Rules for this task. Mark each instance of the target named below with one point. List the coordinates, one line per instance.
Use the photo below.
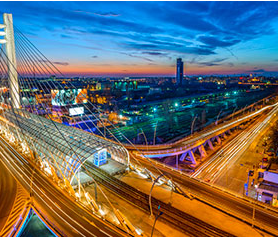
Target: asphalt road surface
(64, 214)
(8, 188)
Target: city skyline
(146, 38)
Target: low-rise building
(267, 189)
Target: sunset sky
(145, 38)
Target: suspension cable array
(58, 149)
(32, 61)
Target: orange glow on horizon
(115, 69)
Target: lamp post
(154, 133)
(145, 138)
(192, 124)
(244, 107)
(253, 215)
(234, 112)
(218, 117)
(150, 196)
(159, 213)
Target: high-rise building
(179, 76)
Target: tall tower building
(179, 76)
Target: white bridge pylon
(8, 40)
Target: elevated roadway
(266, 217)
(8, 187)
(197, 140)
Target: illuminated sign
(68, 96)
(76, 111)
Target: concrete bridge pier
(191, 156)
(210, 145)
(202, 151)
(218, 140)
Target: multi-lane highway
(216, 169)
(240, 207)
(187, 223)
(213, 168)
(8, 188)
(61, 211)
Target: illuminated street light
(176, 104)
(154, 109)
(159, 213)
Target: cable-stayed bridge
(47, 156)
(58, 150)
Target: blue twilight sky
(145, 38)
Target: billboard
(68, 97)
(76, 111)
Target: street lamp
(192, 124)
(218, 117)
(154, 133)
(159, 213)
(150, 196)
(142, 132)
(176, 104)
(234, 112)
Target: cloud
(187, 20)
(95, 56)
(207, 64)
(66, 36)
(264, 72)
(105, 14)
(215, 42)
(152, 31)
(259, 70)
(136, 56)
(153, 53)
(57, 63)
(61, 63)
(214, 62)
(199, 50)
